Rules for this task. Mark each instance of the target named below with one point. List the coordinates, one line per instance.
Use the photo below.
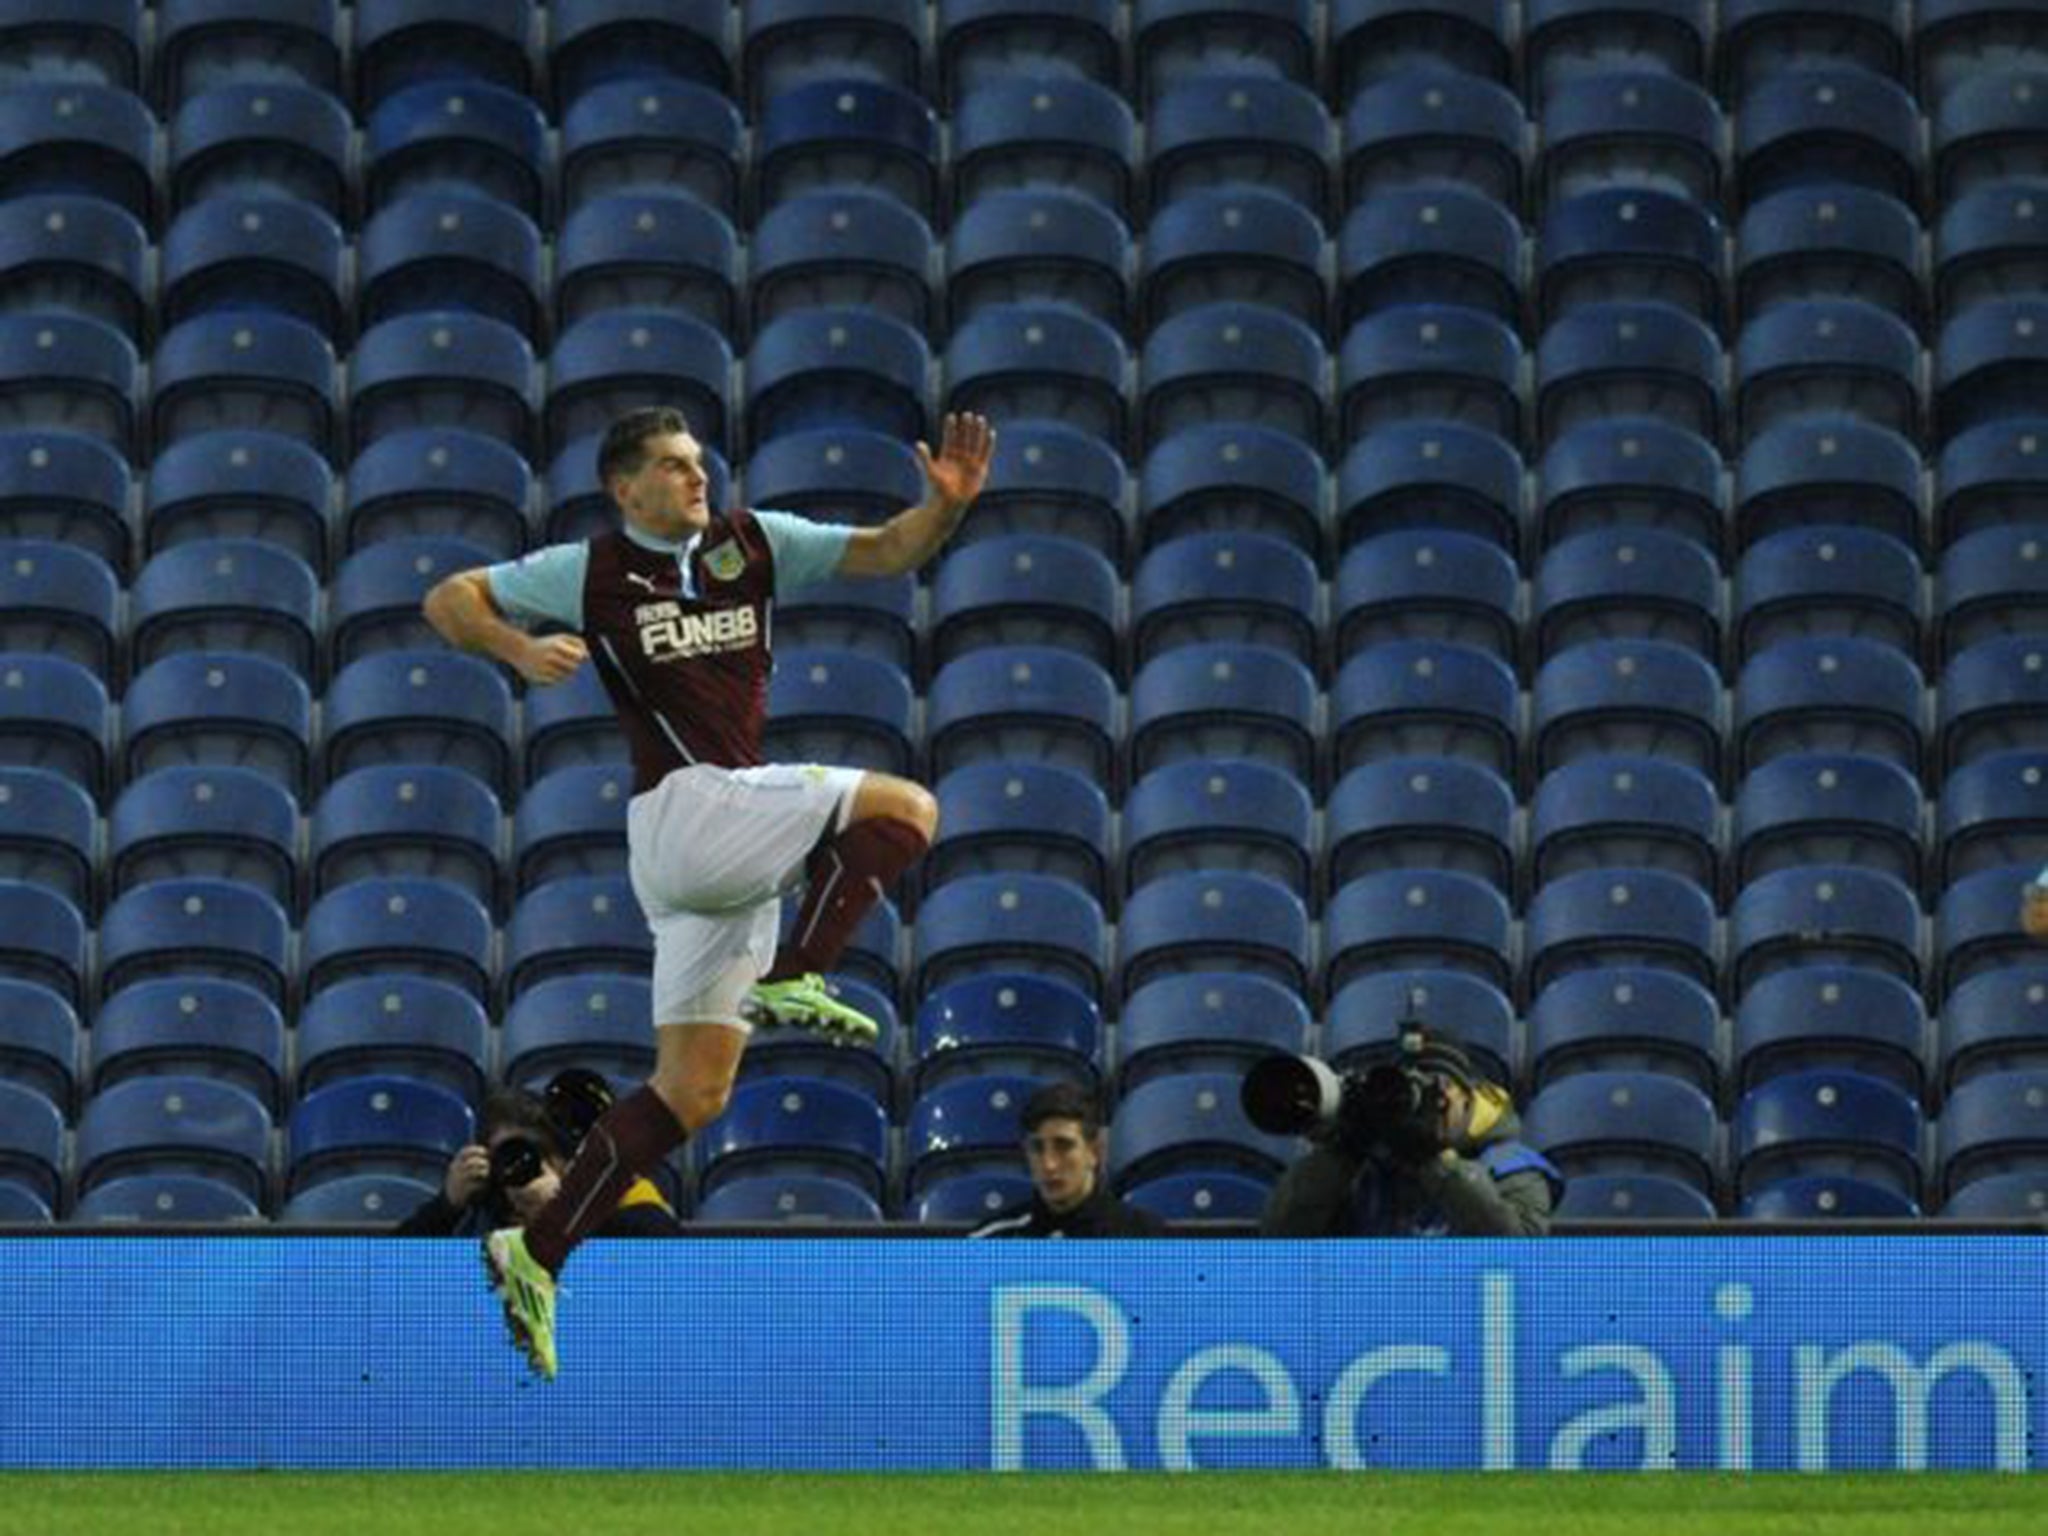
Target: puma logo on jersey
(645, 581)
(700, 634)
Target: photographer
(527, 1141)
(1065, 1148)
(1419, 1147)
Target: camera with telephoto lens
(1397, 1105)
(572, 1102)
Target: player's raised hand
(551, 658)
(957, 475)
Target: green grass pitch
(1028, 1504)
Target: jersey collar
(680, 549)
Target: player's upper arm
(546, 585)
(808, 552)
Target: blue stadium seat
(455, 135)
(431, 706)
(571, 822)
(1976, 926)
(1405, 129)
(1990, 814)
(966, 1128)
(1177, 41)
(1630, 472)
(1826, 1197)
(1415, 919)
(1018, 702)
(1568, 39)
(1022, 131)
(1177, 1197)
(399, 42)
(373, 605)
(244, 371)
(56, 600)
(437, 249)
(1635, 696)
(96, 41)
(1622, 809)
(1363, 1025)
(600, 1021)
(1991, 699)
(651, 136)
(66, 488)
(596, 42)
(1621, 127)
(785, 1125)
(64, 373)
(227, 823)
(1987, 246)
(575, 926)
(841, 246)
(1765, 39)
(204, 43)
(1420, 813)
(604, 366)
(836, 367)
(1053, 480)
(195, 926)
(1993, 1127)
(1627, 359)
(1828, 580)
(1373, 41)
(1222, 700)
(2021, 1196)
(212, 261)
(1042, 362)
(1426, 585)
(1432, 244)
(789, 1199)
(53, 715)
(650, 251)
(217, 708)
(1991, 583)
(240, 595)
(1190, 1122)
(1626, 1123)
(968, 1197)
(1829, 693)
(1030, 923)
(438, 482)
(1206, 1021)
(860, 615)
(261, 139)
(1994, 1022)
(1954, 41)
(22, 1207)
(570, 725)
(996, 1022)
(1233, 244)
(388, 1125)
(77, 137)
(1828, 1122)
(442, 370)
(1634, 1018)
(1990, 361)
(1217, 814)
(1412, 698)
(1602, 918)
(239, 484)
(1831, 240)
(1236, 364)
(1233, 478)
(841, 474)
(166, 1199)
(1627, 583)
(847, 132)
(1237, 128)
(982, 41)
(357, 1199)
(62, 253)
(827, 707)
(1039, 245)
(1024, 589)
(1628, 243)
(1200, 919)
(788, 44)
(778, 1051)
(1430, 361)
(197, 1026)
(47, 826)
(406, 1026)
(1822, 914)
(1632, 1198)
(1827, 355)
(406, 819)
(397, 926)
(1828, 808)
(31, 1148)
(1832, 1016)
(1827, 125)
(175, 1125)
(40, 1038)
(1021, 818)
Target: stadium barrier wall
(870, 1354)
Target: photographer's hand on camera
(468, 1176)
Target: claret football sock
(635, 1134)
(847, 876)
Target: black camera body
(572, 1102)
(1398, 1107)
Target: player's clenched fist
(551, 658)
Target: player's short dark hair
(1063, 1101)
(515, 1109)
(624, 449)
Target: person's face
(1457, 1111)
(528, 1198)
(667, 495)
(1063, 1163)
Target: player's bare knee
(695, 1102)
(920, 809)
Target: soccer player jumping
(673, 607)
